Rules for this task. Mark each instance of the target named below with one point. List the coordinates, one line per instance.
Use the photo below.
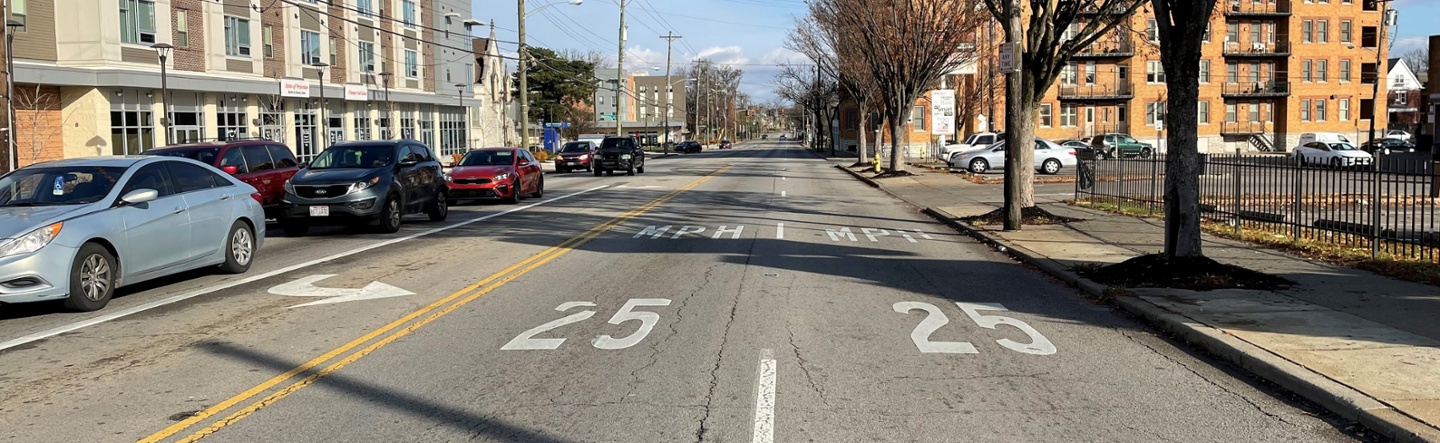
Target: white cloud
(1407, 44)
(724, 55)
(782, 56)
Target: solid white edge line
(199, 292)
(780, 231)
(782, 193)
(765, 401)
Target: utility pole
(1379, 65)
(524, 83)
(619, 74)
(669, 85)
(1013, 111)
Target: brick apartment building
(1271, 70)
(647, 107)
(240, 70)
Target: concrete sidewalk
(1362, 345)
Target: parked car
(1399, 134)
(725, 144)
(576, 155)
(67, 226)
(365, 182)
(504, 173)
(1332, 154)
(1387, 146)
(689, 147)
(1075, 143)
(1324, 137)
(1050, 158)
(1120, 145)
(974, 141)
(620, 153)
(764, 136)
(263, 164)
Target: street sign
(1007, 57)
(561, 125)
(942, 112)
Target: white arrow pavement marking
(305, 287)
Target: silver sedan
(1050, 158)
(78, 229)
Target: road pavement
(753, 294)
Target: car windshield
(576, 147)
(76, 185)
(357, 156)
(1341, 147)
(613, 143)
(203, 155)
(488, 158)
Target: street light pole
(524, 77)
(389, 117)
(324, 107)
(163, 51)
(464, 113)
(669, 86)
(10, 27)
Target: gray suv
(365, 182)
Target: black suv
(618, 153)
(365, 182)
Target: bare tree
(848, 69)
(1181, 25)
(33, 108)
(904, 46)
(1418, 60)
(1048, 43)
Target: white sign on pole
(1007, 57)
(942, 112)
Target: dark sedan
(1387, 146)
(689, 148)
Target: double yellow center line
(395, 330)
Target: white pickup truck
(977, 140)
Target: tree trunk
(1181, 23)
(864, 124)
(1019, 150)
(895, 164)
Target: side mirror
(232, 170)
(524, 162)
(139, 196)
(304, 165)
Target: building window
(1254, 111)
(407, 12)
(182, 28)
(1367, 109)
(234, 120)
(1229, 113)
(1345, 71)
(412, 64)
(17, 13)
(1152, 31)
(1370, 5)
(1402, 98)
(1232, 72)
(1307, 31)
(1322, 31)
(1270, 33)
(1154, 72)
(1304, 109)
(132, 129)
(362, 124)
(137, 21)
(1344, 104)
(1255, 32)
(309, 48)
(453, 131)
(1068, 75)
(1204, 71)
(1368, 38)
(267, 38)
(1368, 74)
(407, 124)
(1232, 32)
(367, 57)
(1305, 68)
(1254, 73)
(917, 118)
(427, 125)
(237, 37)
(385, 133)
(1344, 31)
(333, 53)
(1154, 113)
(365, 7)
(1206, 38)
(1067, 115)
(1046, 119)
(1320, 110)
(1203, 113)
(1321, 69)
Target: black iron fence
(1388, 206)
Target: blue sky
(747, 34)
(1417, 23)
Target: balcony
(1242, 128)
(1111, 91)
(1107, 48)
(1261, 89)
(1281, 48)
(1250, 8)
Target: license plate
(319, 211)
(574, 162)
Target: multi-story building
(491, 124)
(1270, 70)
(389, 69)
(1405, 92)
(647, 107)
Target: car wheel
(979, 166)
(561, 170)
(1335, 163)
(1145, 153)
(539, 188)
(630, 170)
(440, 209)
(641, 169)
(294, 228)
(239, 249)
(597, 172)
(390, 215)
(610, 172)
(515, 193)
(1051, 166)
(92, 279)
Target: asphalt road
(749, 295)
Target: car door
(208, 201)
(432, 176)
(233, 156)
(1042, 152)
(157, 233)
(285, 167)
(409, 177)
(533, 172)
(262, 173)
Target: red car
(503, 173)
(576, 155)
(264, 164)
(724, 144)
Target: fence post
(1154, 176)
(1375, 211)
(1237, 191)
(1299, 169)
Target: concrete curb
(1336, 397)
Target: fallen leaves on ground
(1028, 216)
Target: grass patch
(1411, 269)
(1130, 208)
(1000, 180)
(1028, 216)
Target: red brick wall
(427, 52)
(190, 57)
(38, 124)
(385, 61)
(336, 73)
(274, 18)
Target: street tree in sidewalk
(803, 86)
(904, 46)
(555, 82)
(1181, 25)
(1044, 51)
(847, 68)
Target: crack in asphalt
(674, 330)
(720, 354)
(1227, 390)
(805, 366)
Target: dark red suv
(264, 164)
